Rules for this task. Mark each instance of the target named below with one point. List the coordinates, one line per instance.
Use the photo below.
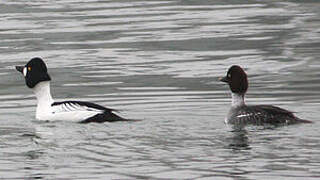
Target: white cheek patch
(24, 71)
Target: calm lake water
(159, 61)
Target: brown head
(237, 79)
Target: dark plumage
(36, 71)
(264, 114)
(241, 114)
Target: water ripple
(159, 61)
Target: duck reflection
(239, 140)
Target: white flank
(64, 112)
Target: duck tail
(304, 121)
(106, 117)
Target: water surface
(159, 61)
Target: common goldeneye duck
(37, 78)
(241, 114)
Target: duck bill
(20, 68)
(224, 79)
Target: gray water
(159, 61)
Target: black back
(266, 114)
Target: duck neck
(42, 92)
(237, 100)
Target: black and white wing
(81, 106)
(85, 112)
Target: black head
(237, 79)
(34, 71)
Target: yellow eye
(29, 68)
